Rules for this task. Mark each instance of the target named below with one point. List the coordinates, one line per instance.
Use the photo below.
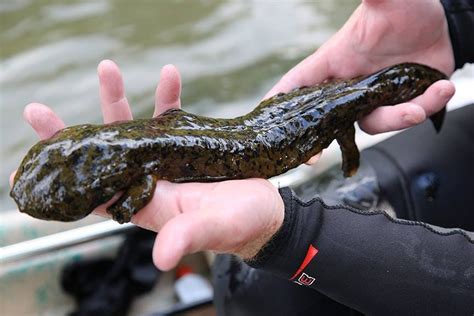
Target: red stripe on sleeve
(312, 251)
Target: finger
(404, 115)
(393, 118)
(43, 120)
(309, 72)
(168, 91)
(184, 234)
(101, 210)
(169, 200)
(314, 159)
(435, 97)
(113, 102)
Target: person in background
(345, 260)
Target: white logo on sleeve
(305, 279)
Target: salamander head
(65, 177)
(44, 186)
(62, 178)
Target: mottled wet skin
(67, 176)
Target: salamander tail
(438, 118)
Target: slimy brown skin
(65, 177)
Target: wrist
(289, 247)
(271, 228)
(279, 239)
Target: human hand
(382, 33)
(237, 216)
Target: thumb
(184, 234)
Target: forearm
(371, 262)
(460, 17)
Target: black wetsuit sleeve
(371, 262)
(460, 17)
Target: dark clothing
(369, 261)
(460, 16)
(108, 286)
(349, 261)
(427, 177)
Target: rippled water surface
(229, 54)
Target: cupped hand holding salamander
(240, 216)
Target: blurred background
(229, 53)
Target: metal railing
(64, 239)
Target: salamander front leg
(350, 152)
(133, 199)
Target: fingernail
(26, 112)
(313, 159)
(445, 93)
(12, 178)
(169, 66)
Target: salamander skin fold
(65, 177)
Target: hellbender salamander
(65, 177)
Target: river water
(229, 53)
